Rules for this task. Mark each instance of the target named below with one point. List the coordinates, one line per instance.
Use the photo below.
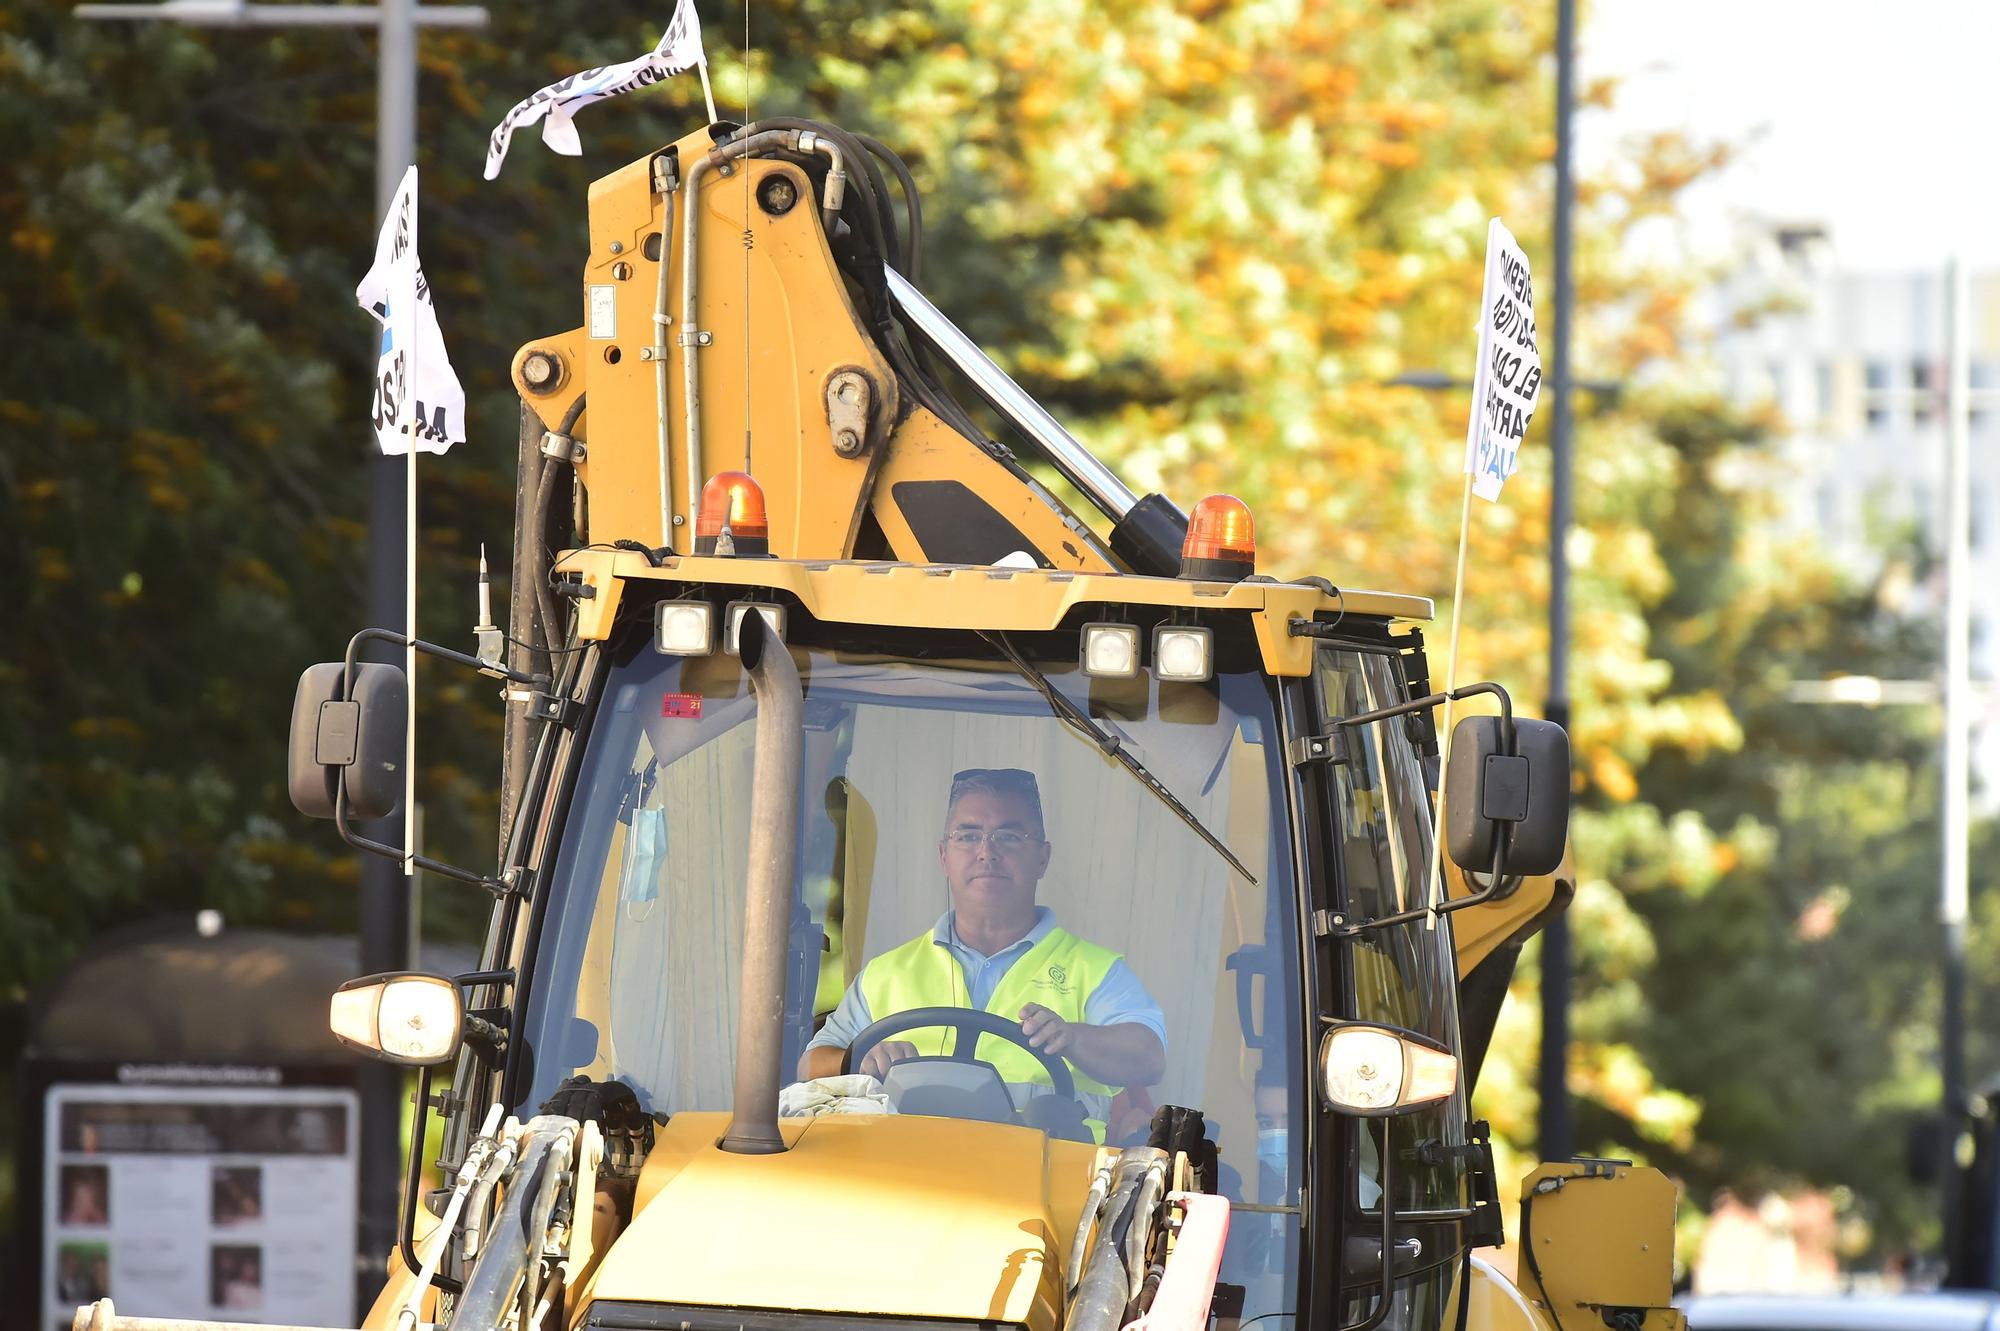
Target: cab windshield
(1136, 924)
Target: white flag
(1510, 366)
(679, 50)
(413, 376)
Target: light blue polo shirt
(1118, 999)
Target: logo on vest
(1055, 980)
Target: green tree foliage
(1787, 881)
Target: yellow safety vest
(1060, 973)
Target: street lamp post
(1957, 739)
(1553, 1131)
(385, 897)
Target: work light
(732, 634)
(1110, 651)
(684, 628)
(1183, 655)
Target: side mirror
(405, 1017)
(1516, 802)
(355, 740)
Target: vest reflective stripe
(1060, 973)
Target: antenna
(490, 638)
(749, 241)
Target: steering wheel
(969, 1024)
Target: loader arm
(792, 380)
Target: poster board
(227, 1202)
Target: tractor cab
(1176, 799)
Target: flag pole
(410, 651)
(708, 93)
(1431, 879)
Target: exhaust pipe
(767, 911)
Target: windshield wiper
(1078, 720)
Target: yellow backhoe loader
(924, 904)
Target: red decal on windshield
(685, 706)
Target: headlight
(1376, 1071)
(412, 1019)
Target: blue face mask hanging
(645, 858)
(1273, 1149)
(645, 862)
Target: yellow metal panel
(926, 449)
(1497, 1305)
(767, 286)
(1008, 600)
(882, 1214)
(427, 1238)
(1597, 1235)
(1480, 931)
(1285, 653)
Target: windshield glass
(1402, 975)
(960, 846)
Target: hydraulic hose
(491, 1172)
(553, 634)
(1079, 1243)
(468, 1173)
(913, 208)
(1115, 1265)
(877, 226)
(554, 1174)
(516, 1246)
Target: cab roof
(954, 596)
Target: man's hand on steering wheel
(874, 1052)
(1046, 1031)
(876, 1062)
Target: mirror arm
(1360, 927)
(395, 639)
(1430, 700)
(503, 886)
(498, 886)
(1500, 886)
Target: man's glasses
(1004, 840)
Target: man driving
(996, 950)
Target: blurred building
(1779, 1245)
(1854, 363)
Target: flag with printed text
(679, 50)
(1509, 375)
(414, 381)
